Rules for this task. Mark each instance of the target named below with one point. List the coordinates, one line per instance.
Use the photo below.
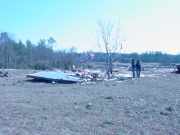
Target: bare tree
(109, 40)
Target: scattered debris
(164, 113)
(75, 106)
(3, 74)
(109, 98)
(89, 106)
(107, 123)
(87, 75)
(169, 109)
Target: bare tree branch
(109, 39)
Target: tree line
(16, 54)
(149, 57)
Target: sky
(145, 25)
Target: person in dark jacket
(133, 67)
(138, 68)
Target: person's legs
(138, 73)
(133, 73)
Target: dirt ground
(148, 106)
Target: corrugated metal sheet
(56, 76)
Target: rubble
(89, 75)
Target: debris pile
(87, 75)
(78, 76)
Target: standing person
(138, 68)
(133, 67)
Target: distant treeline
(156, 57)
(16, 54)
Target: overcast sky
(146, 25)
